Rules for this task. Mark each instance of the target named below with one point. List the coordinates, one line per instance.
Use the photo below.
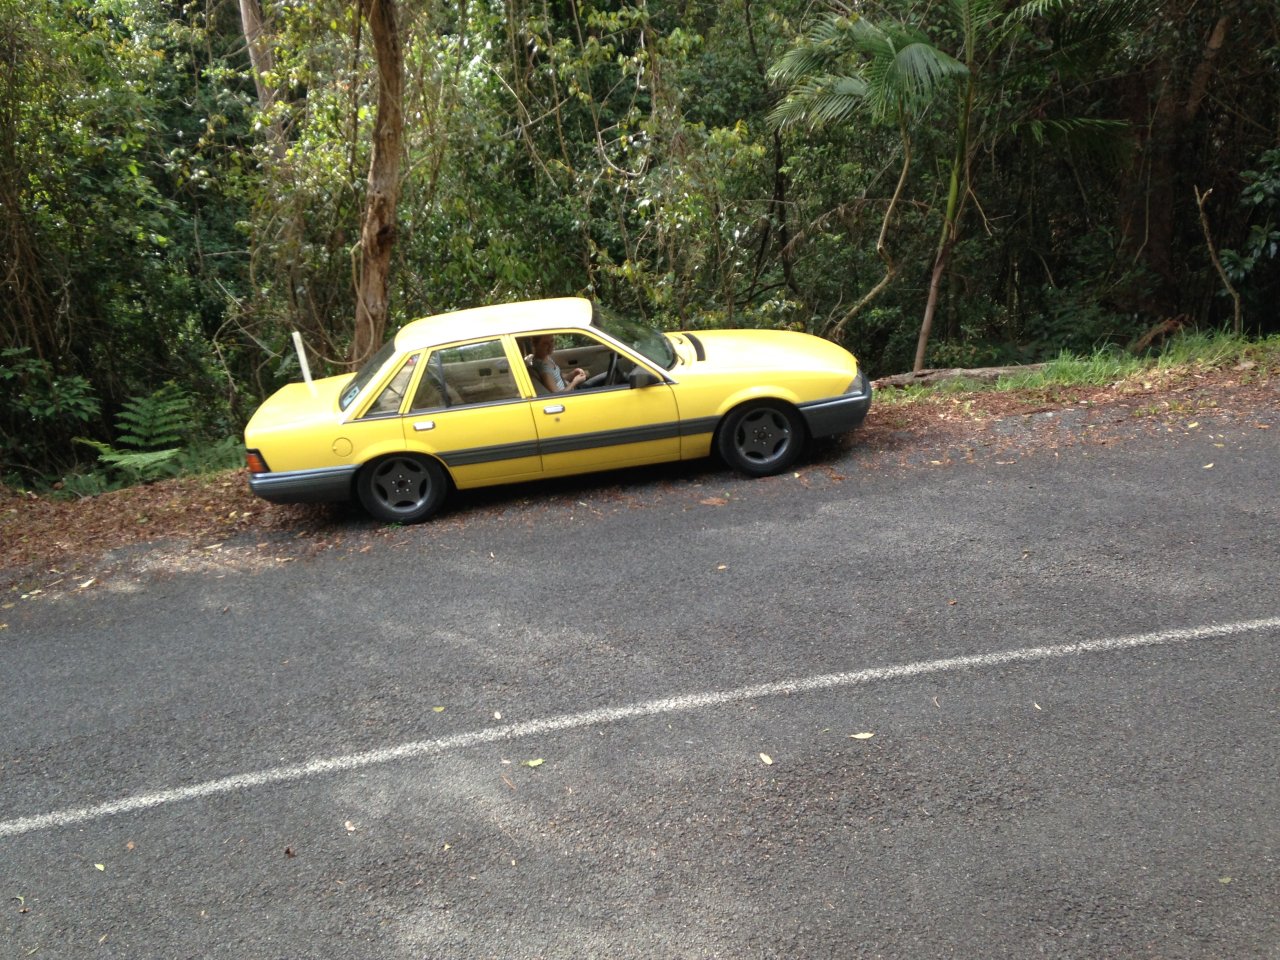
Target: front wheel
(761, 438)
(401, 488)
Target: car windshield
(640, 337)
(367, 373)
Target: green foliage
(1109, 365)
(210, 456)
(40, 411)
(844, 63)
(149, 431)
(1069, 370)
(134, 466)
(1255, 266)
(160, 419)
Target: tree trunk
(378, 233)
(957, 196)
(931, 304)
(262, 63)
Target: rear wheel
(762, 437)
(402, 488)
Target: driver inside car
(548, 371)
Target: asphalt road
(620, 719)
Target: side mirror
(640, 377)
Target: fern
(150, 435)
(157, 420)
(135, 466)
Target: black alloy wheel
(762, 437)
(402, 488)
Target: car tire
(761, 438)
(401, 488)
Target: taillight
(253, 460)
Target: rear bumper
(325, 485)
(825, 418)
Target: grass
(1110, 365)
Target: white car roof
(491, 321)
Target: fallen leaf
(1193, 424)
(713, 502)
(437, 709)
(533, 763)
(129, 845)
(1208, 466)
(766, 759)
(861, 736)
(723, 566)
(351, 827)
(1224, 880)
(99, 866)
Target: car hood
(296, 405)
(746, 350)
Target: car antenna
(302, 362)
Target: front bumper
(824, 418)
(326, 485)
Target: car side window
(465, 374)
(603, 365)
(431, 394)
(393, 393)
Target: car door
(599, 427)
(467, 411)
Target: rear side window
(431, 392)
(393, 393)
(466, 374)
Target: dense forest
(940, 182)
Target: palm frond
(828, 41)
(975, 16)
(820, 101)
(1036, 9)
(1103, 140)
(920, 68)
(1089, 26)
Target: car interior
(481, 373)
(604, 365)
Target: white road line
(604, 715)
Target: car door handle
(425, 425)
(554, 408)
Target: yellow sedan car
(522, 391)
